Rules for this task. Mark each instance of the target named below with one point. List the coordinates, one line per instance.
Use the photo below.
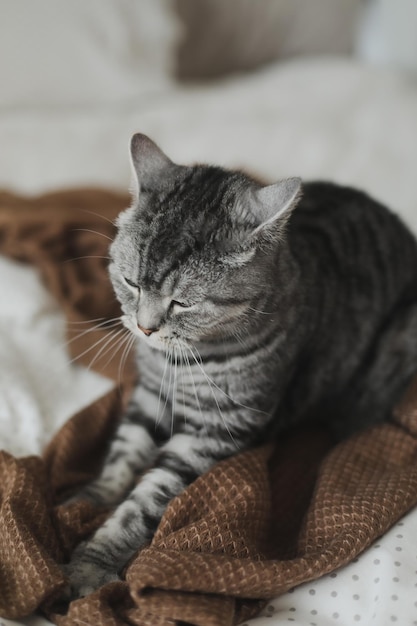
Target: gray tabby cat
(254, 307)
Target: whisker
(174, 393)
(169, 356)
(244, 406)
(203, 418)
(129, 345)
(119, 344)
(97, 319)
(182, 356)
(214, 396)
(261, 312)
(92, 256)
(111, 323)
(102, 326)
(90, 230)
(103, 217)
(104, 348)
(160, 392)
(92, 347)
(236, 334)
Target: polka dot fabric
(379, 587)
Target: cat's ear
(271, 206)
(150, 165)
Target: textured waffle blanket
(255, 526)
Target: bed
(65, 122)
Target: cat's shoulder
(328, 202)
(343, 213)
(328, 196)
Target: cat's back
(347, 236)
(350, 211)
(358, 274)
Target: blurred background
(316, 88)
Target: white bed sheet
(330, 119)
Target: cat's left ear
(150, 164)
(272, 205)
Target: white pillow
(55, 52)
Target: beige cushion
(223, 36)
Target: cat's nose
(147, 331)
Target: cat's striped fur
(253, 309)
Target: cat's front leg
(133, 449)
(134, 522)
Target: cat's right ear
(150, 165)
(271, 206)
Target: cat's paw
(85, 576)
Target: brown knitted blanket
(255, 526)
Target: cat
(255, 308)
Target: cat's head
(190, 256)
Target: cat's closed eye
(178, 306)
(130, 283)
